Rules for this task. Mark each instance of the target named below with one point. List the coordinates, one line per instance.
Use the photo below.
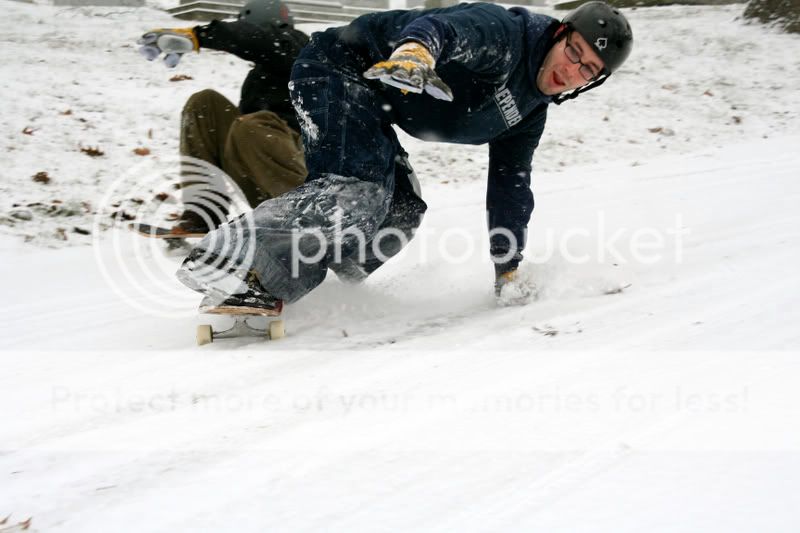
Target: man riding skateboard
(473, 74)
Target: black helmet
(606, 29)
(261, 12)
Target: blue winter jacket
(489, 56)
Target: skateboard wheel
(276, 330)
(204, 335)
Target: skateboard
(274, 330)
(174, 237)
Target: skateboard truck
(207, 334)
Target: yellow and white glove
(513, 286)
(172, 42)
(502, 279)
(410, 68)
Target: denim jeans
(358, 184)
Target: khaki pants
(259, 151)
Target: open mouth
(557, 80)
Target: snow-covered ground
(71, 77)
(651, 386)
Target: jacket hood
(539, 34)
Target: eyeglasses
(572, 54)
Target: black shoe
(254, 300)
(191, 223)
(219, 279)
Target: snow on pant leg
(264, 156)
(398, 228)
(350, 155)
(288, 241)
(205, 121)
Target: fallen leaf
(67, 112)
(41, 177)
(161, 197)
(737, 120)
(708, 93)
(122, 215)
(141, 151)
(617, 290)
(92, 151)
(659, 129)
(180, 77)
(28, 130)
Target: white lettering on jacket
(508, 107)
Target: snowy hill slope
(415, 403)
(71, 79)
(720, 274)
(650, 387)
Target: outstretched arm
(509, 199)
(271, 46)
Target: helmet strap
(563, 97)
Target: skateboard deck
(158, 232)
(206, 334)
(174, 237)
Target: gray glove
(172, 42)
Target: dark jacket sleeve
(273, 47)
(477, 36)
(509, 199)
